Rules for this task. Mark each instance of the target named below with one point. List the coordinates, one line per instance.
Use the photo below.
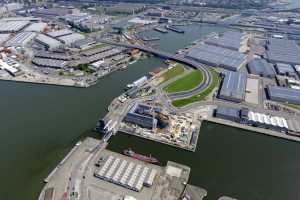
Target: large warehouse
(282, 94)
(233, 87)
(12, 26)
(218, 57)
(283, 51)
(21, 39)
(285, 70)
(256, 119)
(70, 39)
(261, 67)
(233, 40)
(48, 42)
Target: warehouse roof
(229, 39)
(69, 39)
(283, 94)
(218, 56)
(36, 27)
(261, 67)
(20, 39)
(234, 86)
(59, 33)
(226, 111)
(268, 119)
(50, 42)
(283, 51)
(49, 62)
(283, 68)
(4, 37)
(12, 26)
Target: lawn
(171, 73)
(201, 96)
(187, 82)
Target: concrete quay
(256, 130)
(191, 148)
(47, 81)
(75, 176)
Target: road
(207, 76)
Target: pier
(160, 29)
(172, 28)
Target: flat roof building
(60, 33)
(4, 38)
(285, 95)
(48, 42)
(233, 87)
(12, 26)
(233, 40)
(282, 51)
(70, 39)
(51, 63)
(261, 67)
(21, 39)
(232, 114)
(36, 27)
(84, 43)
(285, 70)
(218, 57)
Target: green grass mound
(201, 96)
(171, 73)
(185, 83)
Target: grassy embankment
(171, 73)
(185, 83)
(201, 96)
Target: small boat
(149, 159)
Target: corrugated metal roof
(234, 86)
(283, 94)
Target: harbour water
(229, 161)
(40, 124)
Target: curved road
(207, 77)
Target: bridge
(207, 76)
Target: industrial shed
(261, 67)
(285, 70)
(282, 94)
(48, 42)
(283, 51)
(232, 114)
(60, 33)
(4, 37)
(21, 39)
(233, 87)
(36, 27)
(12, 26)
(70, 39)
(233, 40)
(218, 57)
(51, 63)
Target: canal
(40, 124)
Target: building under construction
(146, 116)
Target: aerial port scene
(150, 100)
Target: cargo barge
(149, 159)
(161, 30)
(172, 28)
(148, 39)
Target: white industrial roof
(12, 26)
(7, 67)
(267, 119)
(4, 37)
(36, 27)
(59, 33)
